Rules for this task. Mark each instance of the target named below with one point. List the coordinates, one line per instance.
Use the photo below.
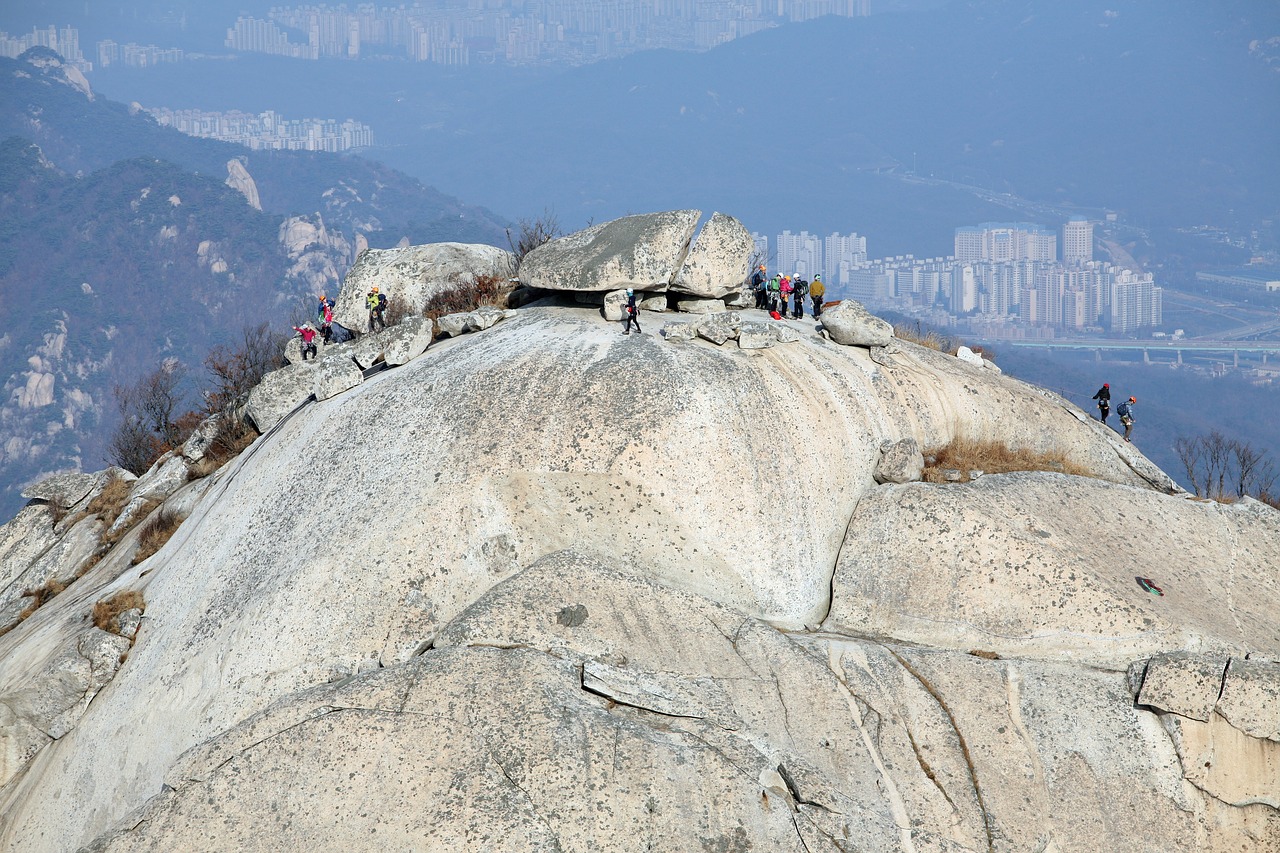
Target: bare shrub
(106, 613)
(931, 338)
(468, 295)
(1225, 469)
(232, 437)
(992, 457)
(149, 421)
(157, 531)
(532, 233)
(235, 371)
(397, 310)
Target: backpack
(382, 301)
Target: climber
(631, 314)
(816, 291)
(376, 303)
(771, 294)
(1104, 402)
(799, 290)
(326, 324)
(757, 286)
(784, 294)
(1125, 411)
(308, 340)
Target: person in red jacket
(308, 340)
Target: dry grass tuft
(931, 339)
(157, 531)
(233, 436)
(984, 654)
(111, 537)
(106, 613)
(109, 502)
(40, 596)
(991, 457)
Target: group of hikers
(773, 294)
(1124, 410)
(376, 303)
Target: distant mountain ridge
(123, 244)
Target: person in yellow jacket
(816, 291)
(376, 303)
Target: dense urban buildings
(1004, 281)
(64, 41)
(462, 33)
(268, 130)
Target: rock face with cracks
(565, 600)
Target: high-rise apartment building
(842, 252)
(799, 253)
(1077, 241)
(996, 242)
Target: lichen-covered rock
(755, 335)
(410, 340)
(719, 260)
(850, 324)
(900, 461)
(720, 327)
(679, 332)
(643, 252)
(416, 274)
(1184, 683)
(1250, 698)
(64, 490)
(279, 393)
(699, 305)
(333, 375)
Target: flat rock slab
(850, 324)
(64, 490)
(1183, 683)
(643, 252)
(1250, 698)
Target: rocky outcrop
(851, 324)
(642, 252)
(576, 603)
(719, 260)
(416, 274)
(239, 179)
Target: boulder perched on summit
(642, 252)
(851, 324)
(415, 274)
(719, 260)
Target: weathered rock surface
(695, 676)
(279, 393)
(333, 375)
(719, 260)
(1018, 569)
(410, 340)
(851, 324)
(415, 274)
(64, 490)
(900, 462)
(643, 252)
(1250, 698)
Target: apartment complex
(1004, 280)
(574, 31)
(64, 41)
(268, 130)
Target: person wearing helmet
(308, 340)
(631, 314)
(324, 314)
(376, 303)
(757, 286)
(1104, 402)
(816, 291)
(799, 292)
(1125, 411)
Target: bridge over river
(1174, 350)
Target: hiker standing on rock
(816, 291)
(1104, 402)
(758, 287)
(308, 340)
(799, 290)
(1125, 411)
(324, 314)
(773, 286)
(376, 303)
(631, 314)
(784, 294)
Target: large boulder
(416, 274)
(63, 490)
(851, 324)
(719, 260)
(643, 252)
(409, 340)
(279, 393)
